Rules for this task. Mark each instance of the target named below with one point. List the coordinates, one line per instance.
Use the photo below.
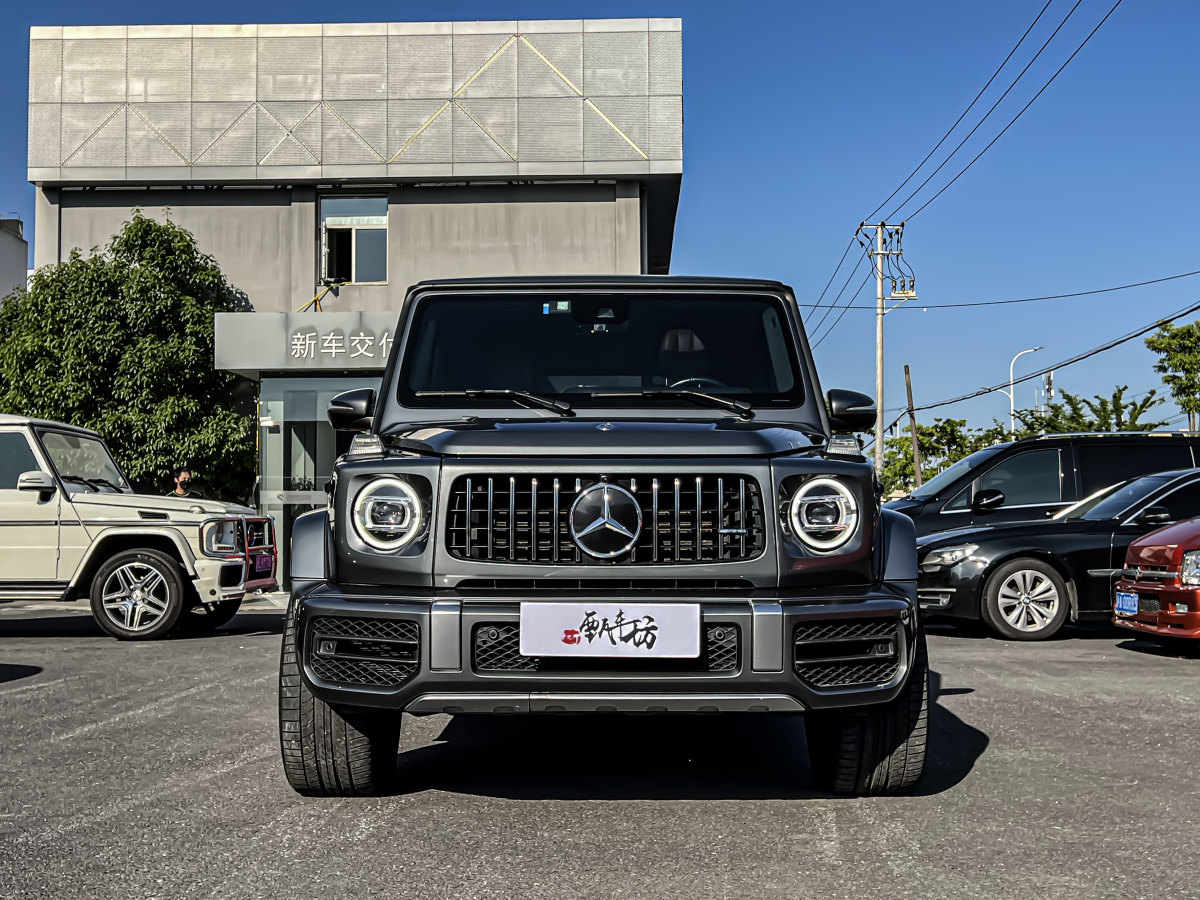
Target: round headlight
(824, 514)
(387, 514)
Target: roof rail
(1088, 434)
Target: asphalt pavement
(151, 770)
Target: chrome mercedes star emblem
(605, 520)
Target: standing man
(183, 484)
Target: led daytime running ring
(846, 528)
(402, 492)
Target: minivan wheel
(138, 595)
(879, 751)
(329, 751)
(1025, 600)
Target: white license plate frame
(611, 630)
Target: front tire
(138, 595)
(1025, 600)
(879, 751)
(328, 752)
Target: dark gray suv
(599, 495)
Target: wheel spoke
(152, 581)
(1014, 616)
(1044, 589)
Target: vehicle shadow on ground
(631, 757)
(977, 631)
(80, 624)
(1182, 650)
(14, 672)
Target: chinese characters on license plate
(1127, 604)
(660, 630)
(262, 564)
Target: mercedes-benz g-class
(602, 495)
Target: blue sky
(800, 118)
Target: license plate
(628, 630)
(1127, 604)
(262, 563)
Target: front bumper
(445, 653)
(1156, 613)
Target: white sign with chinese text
(645, 630)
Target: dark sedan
(1026, 579)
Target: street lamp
(1012, 412)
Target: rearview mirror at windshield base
(850, 411)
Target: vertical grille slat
(679, 526)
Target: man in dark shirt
(183, 484)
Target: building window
(353, 240)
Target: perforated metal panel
(434, 95)
(537, 76)
(354, 68)
(616, 63)
(45, 71)
(159, 70)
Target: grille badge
(605, 521)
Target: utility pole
(888, 243)
(912, 424)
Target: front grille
(1150, 573)
(496, 649)
(686, 518)
(369, 652)
(602, 585)
(1148, 603)
(849, 653)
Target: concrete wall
(266, 240)
(14, 259)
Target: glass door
(297, 447)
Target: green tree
(1178, 349)
(944, 442)
(1075, 414)
(121, 341)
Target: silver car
(71, 526)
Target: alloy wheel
(1028, 600)
(136, 596)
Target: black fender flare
(897, 546)
(311, 556)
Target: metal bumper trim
(428, 704)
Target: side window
(1183, 503)
(1108, 463)
(15, 458)
(961, 501)
(1026, 479)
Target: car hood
(1033, 530)
(120, 506)
(599, 437)
(1166, 546)
(906, 505)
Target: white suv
(71, 527)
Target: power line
(1107, 290)
(957, 121)
(1018, 115)
(1116, 342)
(970, 133)
(845, 253)
(833, 304)
(848, 305)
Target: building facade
(328, 167)
(14, 255)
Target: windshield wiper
(535, 401)
(76, 479)
(106, 483)
(743, 409)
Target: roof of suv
(1137, 435)
(637, 281)
(6, 419)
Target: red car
(1159, 591)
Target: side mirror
(987, 500)
(850, 411)
(352, 410)
(1151, 515)
(36, 481)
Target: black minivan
(1036, 477)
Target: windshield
(570, 347)
(1112, 501)
(83, 463)
(947, 477)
